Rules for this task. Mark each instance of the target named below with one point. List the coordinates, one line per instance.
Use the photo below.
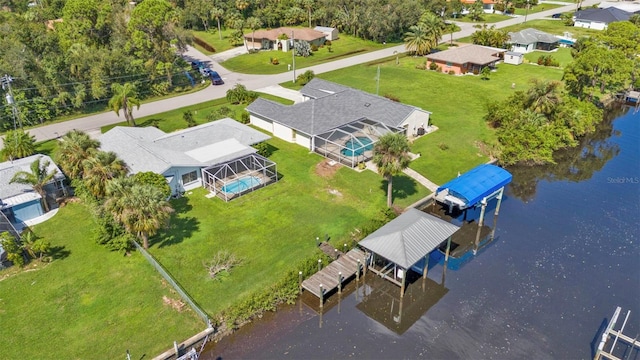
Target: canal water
(566, 252)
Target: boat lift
(613, 337)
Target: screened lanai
(239, 176)
(351, 143)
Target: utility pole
(526, 12)
(6, 85)
(293, 55)
(378, 81)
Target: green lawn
(271, 229)
(260, 62)
(458, 104)
(88, 303)
(173, 120)
(537, 8)
(212, 37)
(563, 55)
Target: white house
(19, 202)
(182, 155)
(528, 40)
(337, 121)
(599, 19)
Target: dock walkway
(335, 273)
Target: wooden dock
(332, 276)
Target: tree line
(532, 125)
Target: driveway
(93, 123)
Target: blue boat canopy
(476, 184)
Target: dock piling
(321, 297)
(340, 282)
(300, 281)
(358, 270)
(319, 264)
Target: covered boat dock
(475, 187)
(405, 241)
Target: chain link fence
(165, 274)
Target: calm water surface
(565, 254)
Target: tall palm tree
(75, 147)
(124, 98)
(424, 36)
(140, 209)
(218, 13)
(254, 24)
(18, 144)
(417, 39)
(38, 177)
(99, 168)
(543, 96)
(391, 156)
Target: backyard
(563, 55)
(261, 62)
(88, 302)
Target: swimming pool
(240, 185)
(357, 146)
(566, 42)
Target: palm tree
(139, 208)
(37, 178)
(543, 96)
(75, 147)
(218, 13)
(124, 97)
(254, 24)
(391, 156)
(424, 36)
(434, 27)
(417, 39)
(18, 144)
(99, 168)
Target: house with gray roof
(528, 40)
(181, 156)
(599, 19)
(337, 121)
(465, 59)
(19, 202)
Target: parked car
(556, 16)
(215, 78)
(204, 71)
(196, 64)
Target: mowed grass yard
(89, 303)
(563, 55)
(458, 105)
(260, 62)
(273, 228)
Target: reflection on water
(567, 255)
(574, 164)
(381, 301)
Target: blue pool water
(355, 147)
(241, 185)
(567, 42)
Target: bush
(187, 116)
(433, 66)
(443, 146)
(421, 66)
(275, 61)
(314, 47)
(263, 149)
(240, 95)
(154, 179)
(451, 72)
(220, 113)
(245, 118)
(304, 78)
(327, 42)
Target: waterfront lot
(90, 293)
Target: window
(189, 177)
(449, 64)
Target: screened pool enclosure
(352, 143)
(240, 176)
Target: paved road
(93, 123)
